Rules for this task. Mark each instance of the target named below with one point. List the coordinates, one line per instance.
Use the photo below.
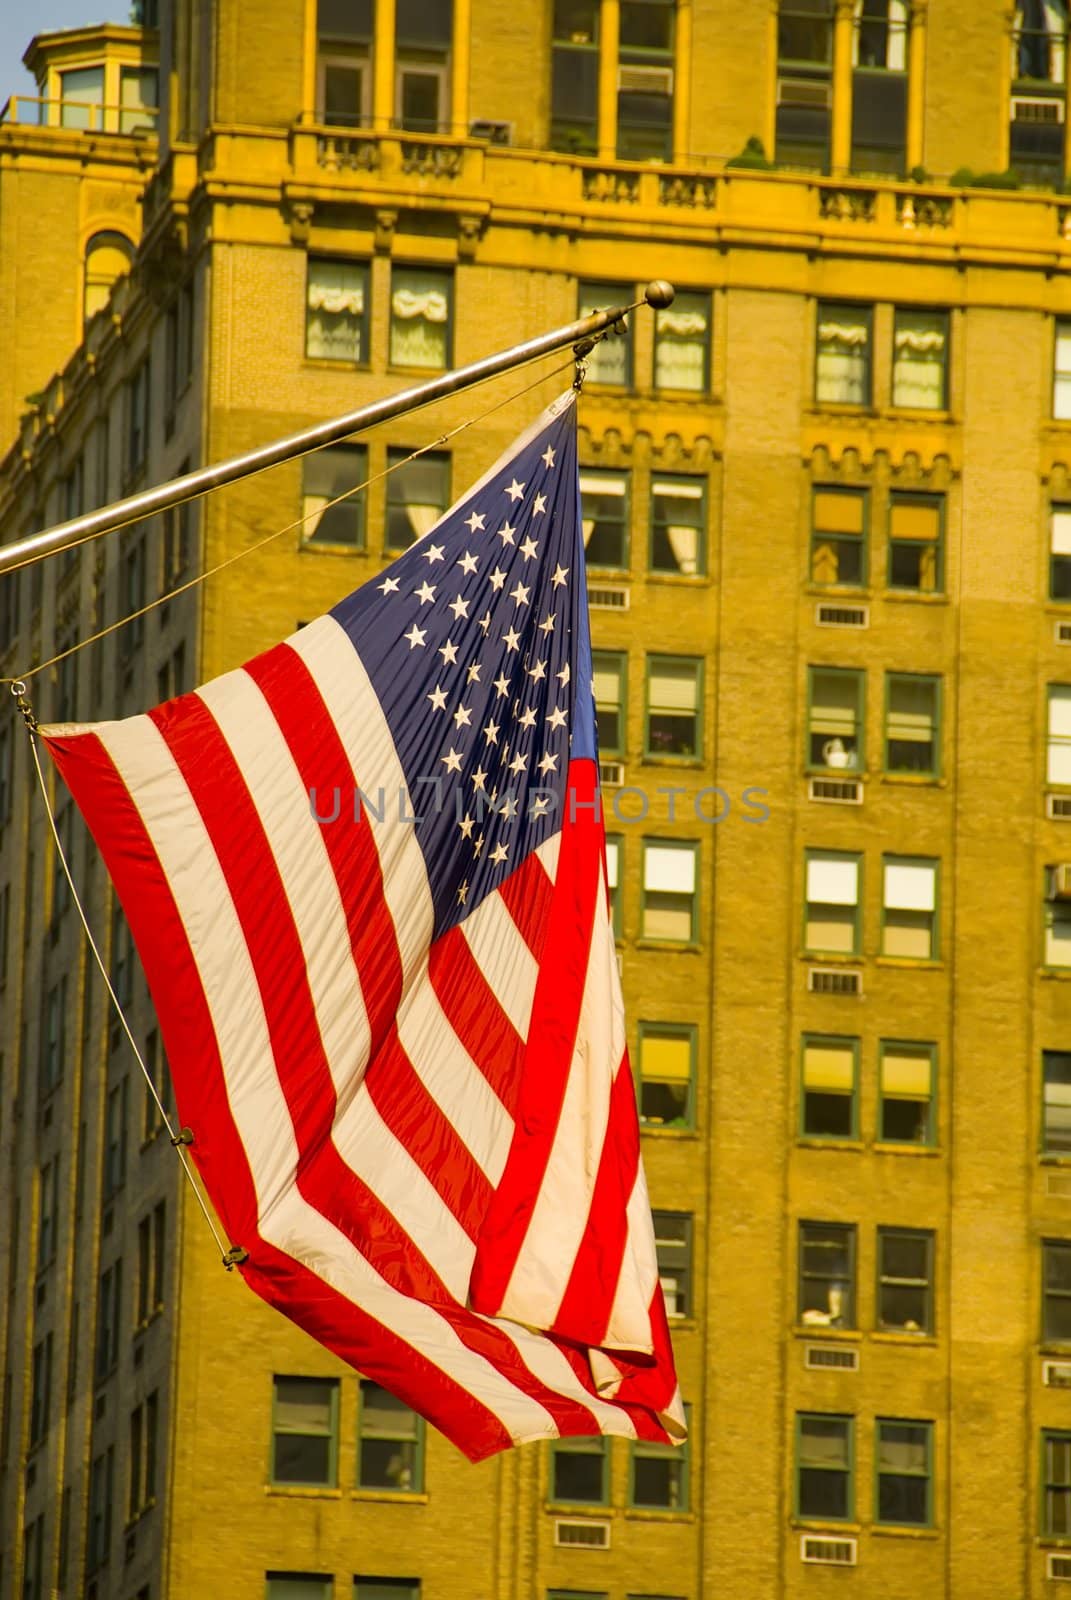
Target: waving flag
(366, 876)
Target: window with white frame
(669, 890)
(682, 344)
(1061, 385)
(336, 315)
(343, 86)
(421, 302)
(832, 903)
(842, 355)
(909, 908)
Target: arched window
(108, 256)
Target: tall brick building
(828, 513)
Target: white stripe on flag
(500, 952)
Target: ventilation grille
(831, 616)
(822, 1552)
(1062, 632)
(1036, 108)
(608, 599)
(581, 1534)
(830, 1356)
(1058, 806)
(1056, 1374)
(834, 980)
(803, 92)
(645, 80)
(611, 774)
(845, 791)
(1058, 1566)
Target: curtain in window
(677, 516)
(1061, 400)
(832, 883)
(681, 334)
(884, 42)
(842, 359)
(1039, 40)
(335, 314)
(609, 361)
(919, 362)
(419, 320)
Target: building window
(109, 1305)
(137, 418)
(905, 1280)
(48, 1212)
(613, 881)
(339, 469)
(673, 1247)
(907, 1077)
(178, 352)
(804, 88)
(1056, 1483)
(667, 1074)
(916, 543)
(99, 1522)
(838, 536)
(115, 1139)
(604, 498)
(574, 83)
(41, 1390)
(920, 360)
(7, 769)
(151, 1236)
(1058, 770)
(1060, 558)
(879, 87)
(658, 1476)
(1057, 918)
(156, 1066)
(5, 930)
(912, 724)
(391, 1452)
(1061, 390)
(835, 710)
(674, 707)
(645, 80)
(1039, 90)
(385, 1589)
(82, 98)
(54, 1038)
(682, 344)
(904, 1473)
(32, 1560)
(298, 1586)
(336, 310)
(579, 1471)
(830, 1077)
(909, 908)
(420, 316)
(842, 355)
(611, 360)
(824, 1466)
(670, 909)
(678, 526)
(134, 597)
(832, 922)
(1056, 1102)
(418, 492)
(1056, 1290)
(139, 94)
(175, 551)
(343, 72)
(610, 674)
(305, 1431)
(423, 33)
(142, 1465)
(827, 1274)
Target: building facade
(828, 520)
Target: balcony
(79, 116)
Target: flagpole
(106, 519)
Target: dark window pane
(646, 25)
(345, 19)
(904, 1307)
(663, 1102)
(576, 21)
(388, 1464)
(905, 1121)
(656, 1482)
(578, 1477)
(902, 1499)
(301, 1459)
(822, 1493)
(904, 1255)
(424, 22)
(827, 1115)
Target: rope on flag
(366, 876)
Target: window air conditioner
(645, 80)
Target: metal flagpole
(106, 519)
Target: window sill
(820, 1330)
(825, 1525)
(327, 547)
(862, 409)
(679, 946)
(1053, 1158)
(920, 413)
(809, 1141)
(915, 780)
(832, 958)
(335, 364)
(302, 1491)
(653, 1514)
(681, 762)
(400, 1497)
(1055, 974)
(889, 1531)
(836, 591)
(653, 1130)
(917, 597)
(910, 963)
(577, 1508)
(892, 1337)
(681, 1324)
(402, 372)
(888, 1147)
(674, 580)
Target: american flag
(366, 876)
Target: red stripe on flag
(320, 757)
(551, 1040)
(201, 1093)
(527, 894)
(476, 1016)
(589, 1296)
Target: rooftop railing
(83, 116)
